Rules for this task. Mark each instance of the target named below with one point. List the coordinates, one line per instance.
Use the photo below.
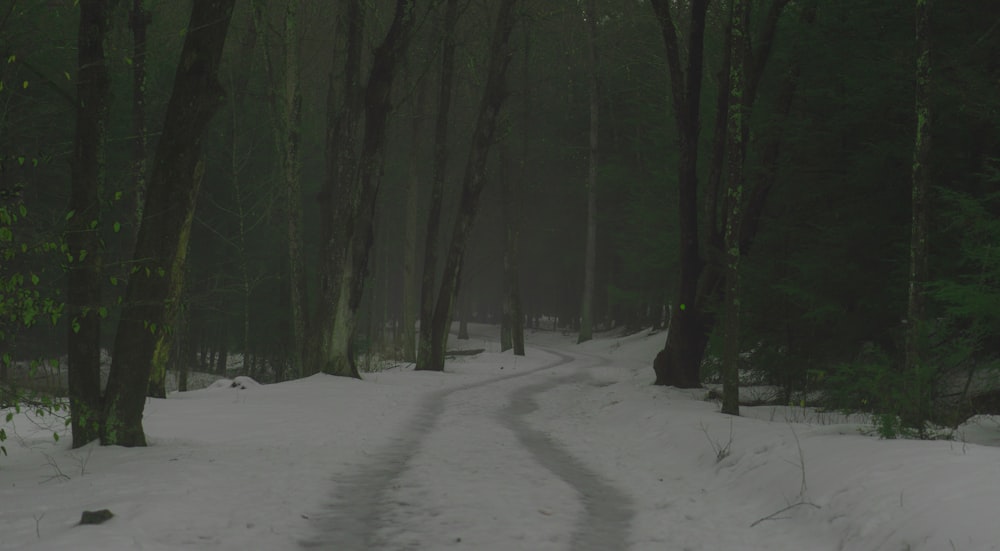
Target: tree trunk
(736, 128)
(590, 256)
(473, 181)
(351, 190)
(916, 411)
(161, 250)
(410, 284)
(287, 114)
(702, 273)
(428, 279)
(512, 328)
(679, 364)
(139, 20)
(83, 228)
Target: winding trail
(414, 495)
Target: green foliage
(900, 401)
(24, 301)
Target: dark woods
(804, 192)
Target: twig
(55, 466)
(803, 489)
(774, 515)
(38, 520)
(721, 451)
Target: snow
(570, 447)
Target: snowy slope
(568, 448)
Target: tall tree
(702, 261)
(739, 28)
(428, 279)
(285, 100)
(920, 181)
(156, 281)
(356, 137)
(473, 180)
(679, 363)
(512, 320)
(590, 256)
(84, 308)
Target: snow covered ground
(568, 448)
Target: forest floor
(568, 448)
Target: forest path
(470, 472)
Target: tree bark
(590, 255)
(349, 196)
(512, 326)
(735, 145)
(157, 276)
(679, 364)
(917, 409)
(702, 273)
(428, 279)
(286, 110)
(83, 227)
(473, 180)
(139, 20)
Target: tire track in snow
(607, 511)
(364, 500)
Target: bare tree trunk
(736, 134)
(590, 256)
(917, 410)
(411, 296)
(512, 326)
(139, 20)
(83, 227)
(473, 181)
(156, 282)
(349, 196)
(429, 278)
(679, 363)
(287, 113)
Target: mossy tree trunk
(156, 280)
(83, 227)
(917, 409)
(356, 137)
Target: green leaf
(76, 325)
(23, 210)
(35, 279)
(114, 280)
(70, 214)
(117, 227)
(21, 159)
(11, 58)
(55, 436)
(102, 312)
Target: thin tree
(428, 280)
(473, 181)
(286, 111)
(157, 279)
(590, 256)
(93, 86)
(736, 134)
(920, 180)
(512, 320)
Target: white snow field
(568, 448)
